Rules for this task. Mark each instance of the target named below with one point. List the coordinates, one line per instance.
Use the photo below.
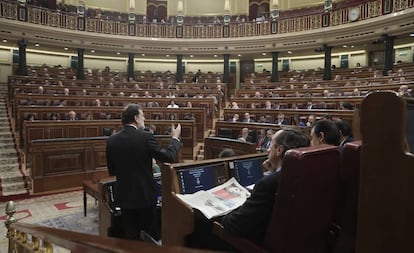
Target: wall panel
(115, 64)
(155, 66)
(37, 58)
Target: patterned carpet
(63, 211)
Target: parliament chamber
(217, 68)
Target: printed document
(219, 200)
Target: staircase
(13, 180)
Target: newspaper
(219, 200)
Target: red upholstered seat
(304, 206)
(347, 209)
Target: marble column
(226, 70)
(327, 74)
(275, 67)
(388, 54)
(179, 73)
(131, 66)
(80, 75)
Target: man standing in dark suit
(129, 155)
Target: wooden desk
(51, 129)
(177, 217)
(62, 164)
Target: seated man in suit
(245, 136)
(247, 118)
(281, 120)
(345, 132)
(252, 218)
(235, 118)
(325, 132)
(72, 115)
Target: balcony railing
(292, 21)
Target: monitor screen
(248, 171)
(225, 133)
(201, 177)
(106, 131)
(157, 180)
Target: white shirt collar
(133, 126)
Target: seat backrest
(347, 209)
(305, 200)
(385, 203)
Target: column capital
(22, 42)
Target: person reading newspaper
(250, 220)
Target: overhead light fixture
(289, 52)
(192, 56)
(65, 48)
(167, 55)
(118, 53)
(412, 34)
(4, 40)
(215, 56)
(263, 54)
(142, 54)
(352, 46)
(239, 55)
(37, 44)
(345, 46)
(92, 51)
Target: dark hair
(227, 152)
(330, 130)
(344, 127)
(129, 112)
(291, 138)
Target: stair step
(14, 189)
(5, 168)
(12, 177)
(13, 180)
(11, 157)
(6, 145)
(7, 152)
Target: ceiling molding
(362, 31)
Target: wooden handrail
(79, 242)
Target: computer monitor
(202, 177)
(225, 132)
(106, 131)
(248, 171)
(157, 180)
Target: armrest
(241, 244)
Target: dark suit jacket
(249, 138)
(129, 156)
(252, 218)
(284, 122)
